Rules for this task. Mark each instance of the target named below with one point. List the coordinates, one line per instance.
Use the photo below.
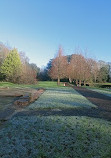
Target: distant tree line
(75, 68)
(15, 66)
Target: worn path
(102, 102)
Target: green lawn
(7, 84)
(40, 84)
(48, 84)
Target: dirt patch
(5, 102)
(24, 97)
(12, 92)
(27, 99)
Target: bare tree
(29, 71)
(79, 69)
(59, 66)
(94, 69)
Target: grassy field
(40, 84)
(49, 84)
(56, 136)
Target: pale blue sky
(38, 27)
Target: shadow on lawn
(92, 94)
(95, 113)
(102, 102)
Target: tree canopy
(59, 66)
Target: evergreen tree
(103, 74)
(11, 66)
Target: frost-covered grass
(61, 98)
(56, 137)
(105, 92)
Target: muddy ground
(13, 100)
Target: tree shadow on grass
(102, 102)
(93, 112)
(92, 94)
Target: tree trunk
(95, 78)
(79, 82)
(58, 81)
(76, 82)
(84, 83)
(70, 80)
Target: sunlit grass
(61, 98)
(7, 84)
(48, 84)
(40, 84)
